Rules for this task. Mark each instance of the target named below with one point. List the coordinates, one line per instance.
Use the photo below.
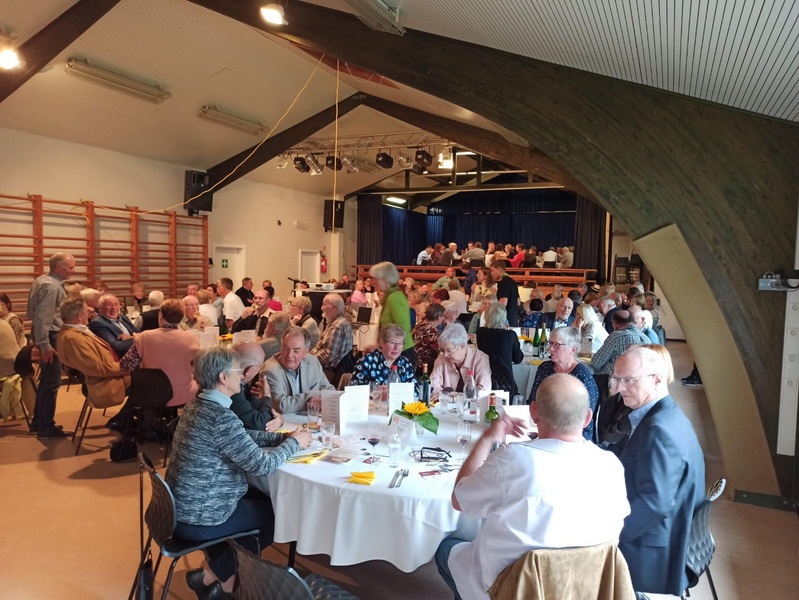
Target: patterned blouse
(425, 338)
(373, 367)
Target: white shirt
(232, 307)
(550, 256)
(542, 494)
(460, 300)
(209, 312)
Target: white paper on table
(214, 330)
(520, 412)
(331, 409)
(356, 403)
(399, 394)
(248, 335)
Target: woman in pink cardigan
(455, 361)
(167, 348)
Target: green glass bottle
(491, 413)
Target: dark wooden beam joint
(48, 43)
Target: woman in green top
(395, 307)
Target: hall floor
(71, 523)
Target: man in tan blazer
(80, 349)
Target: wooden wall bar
(119, 246)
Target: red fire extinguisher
(323, 262)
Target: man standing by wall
(44, 299)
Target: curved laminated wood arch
(722, 182)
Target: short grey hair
(155, 298)
(386, 271)
(210, 364)
(58, 259)
(303, 302)
(392, 331)
(337, 301)
(609, 301)
(567, 335)
(299, 331)
(562, 403)
(496, 315)
(454, 334)
(90, 294)
(280, 322)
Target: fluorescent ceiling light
(396, 200)
(377, 15)
(214, 115)
(82, 69)
(273, 13)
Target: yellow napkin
(283, 431)
(308, 458)
(537, 362)
(364, 478)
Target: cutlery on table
(404, 475)
(394, 479)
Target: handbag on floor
(145, 578)
(123, 450)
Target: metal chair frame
(23, 366)
(161, 522)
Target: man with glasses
(664, 470)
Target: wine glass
(464, 436)
(375, 394)
(373, 437)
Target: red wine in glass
(373, 437)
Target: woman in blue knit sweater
(211, 456)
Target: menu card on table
(347, 407)
(399, 394)
(207, 339)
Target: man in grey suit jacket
(293, 375)
(664, 470)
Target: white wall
(246, 213)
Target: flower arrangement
(419, 412)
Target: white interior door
(229, 262)
(309, 266)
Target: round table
(316, 506)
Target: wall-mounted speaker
(196, 183)
(334, 215)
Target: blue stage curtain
(589, 231)
(435, 229)
(404, 235)
(370, 229)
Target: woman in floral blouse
(376, 366)
(425, 336)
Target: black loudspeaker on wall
(330, 224)
(196, 183)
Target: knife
(394, 479)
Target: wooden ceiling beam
(481, 141)
(48, 43)
(279, 143)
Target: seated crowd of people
(233, 402)
(517, 255)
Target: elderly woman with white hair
(395, 304)
(590, 327)
(564, 342)
(301, 316)
(212, 446)
(456, 359)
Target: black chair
(550, 264)
(259, 579)
(76, 377)
(23, 366)
(150, 390)
(701, 545)
(161, 521)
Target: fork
(404, 475)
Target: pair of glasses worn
(617, 381)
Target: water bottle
(470, 403)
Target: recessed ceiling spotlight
(274, 13)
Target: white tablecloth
(316, 506)
(524, 375)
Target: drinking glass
(373, 437)
(312, 408)
(464, 436)
(375, 393)
(328, 431)
(394, 446)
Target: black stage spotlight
(419, 169)
(423, 157)
(301, 165)
(384, 160)
(331, 162)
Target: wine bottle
(423, 386)
(537, 344)
(543, 352)
(491, 413)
